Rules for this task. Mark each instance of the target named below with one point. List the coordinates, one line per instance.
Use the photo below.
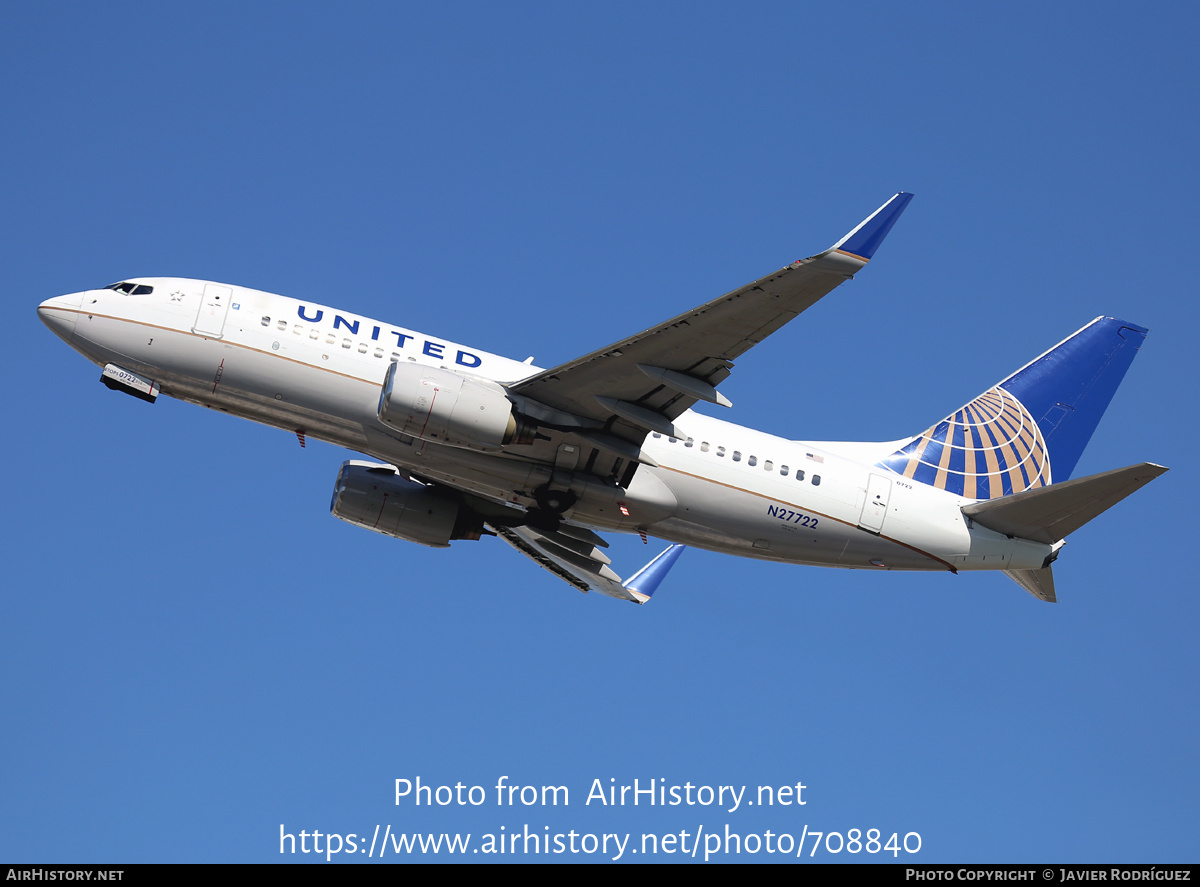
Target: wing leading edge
(646, 381)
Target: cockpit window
(131, 289)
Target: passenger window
(379, 352)
(737, 455)
(704, 446)
(298, 329)
(312, 334)
(281, 325)
(816, 480)
(672, 440)
(266, 321)
(346, 343)
(799, 474)
(688, 442)
(720, 451)
(362, 348)
(752, 461)
(655, 435)
(767, 465)
(783, 469)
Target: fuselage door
(214, 305)
(875, 508)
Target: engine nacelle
(444, 407)
(376, 497)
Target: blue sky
(196, 653)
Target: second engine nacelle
(444, 407)
(377, 498)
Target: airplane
(470, 443)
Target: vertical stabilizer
(1029, 430)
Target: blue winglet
(865, 239)
(645, 581)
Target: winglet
(645, 581)
(862, 242)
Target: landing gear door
(214, 305)
(875, 508)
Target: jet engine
(376, 497)
(445, 407)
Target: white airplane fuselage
(313, 369)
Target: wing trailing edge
(667, 368)
(585, 567)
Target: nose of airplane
(59, 314)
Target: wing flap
(588, 570)
(701, 344)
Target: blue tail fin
(1030, 430)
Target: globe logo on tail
(992, 447)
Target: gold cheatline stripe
(932, 557)
(171, 329)
(923, 553)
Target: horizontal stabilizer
(1048, 514)
(1039, 583)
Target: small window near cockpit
(131, 289)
